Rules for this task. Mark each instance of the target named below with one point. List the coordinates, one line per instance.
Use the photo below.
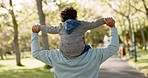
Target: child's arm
(50, 29)
(92, 25)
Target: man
(83, 66)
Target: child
(71, 32)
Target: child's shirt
(71, 34)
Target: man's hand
(110, 22)
(36, 29)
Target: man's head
(68, 13)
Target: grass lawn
(142, 63)
(32, 69)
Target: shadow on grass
(143, 61)
(27, 73)
(2, 66)
(144, 67)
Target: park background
(18, 16)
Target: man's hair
(68, 13)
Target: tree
(1, 53)
(42, 22)
(118, 8)
(141, 9)
(128, 11)
(6, 34)
(15, 26)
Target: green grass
(32, 69)
(142, 63)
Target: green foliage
(26, 16)
(139, 36)
(6, 39)
(96, 36)
(129, 14)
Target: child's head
(68, 13)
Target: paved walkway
(116, 68)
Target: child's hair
(68, 13)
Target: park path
(114, 67)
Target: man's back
(84, 66)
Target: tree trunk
(16, 45)
(42, 22)
(1, 54)
(130, 27)
(143, 38)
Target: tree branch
(136, 8)
(2, 5)
(26, 17)
(146, 8)
(117, 11)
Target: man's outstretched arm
(42, 55)
(112, 48)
